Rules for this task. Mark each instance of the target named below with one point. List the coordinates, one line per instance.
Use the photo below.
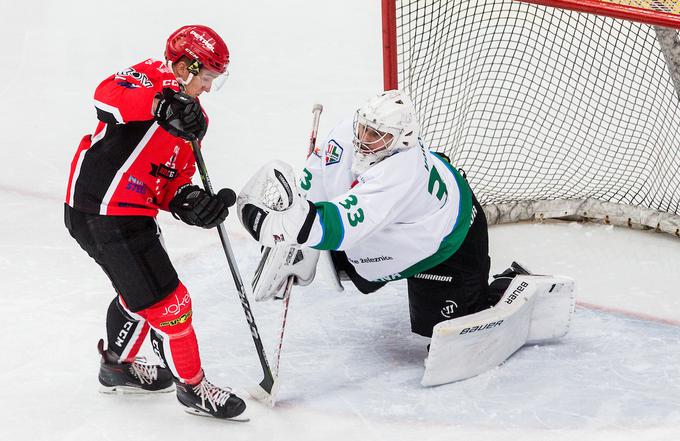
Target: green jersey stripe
(331, 222)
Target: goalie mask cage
(552, 113)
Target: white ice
(350, 367)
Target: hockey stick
(266, 386)
(270, 399)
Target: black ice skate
(206, 399)
(136, 377)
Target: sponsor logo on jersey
(449, 309)
(163, 171)
(128, 85)
(389, 278)
(422, 150)
(480, 327)
(171, 83)
(135, 185)
(140, 77)
(371, 259)
(333, 153)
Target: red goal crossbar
(654, 12)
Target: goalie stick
(270, 397)
(266, 386)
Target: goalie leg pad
(278, 264)
(467, 346)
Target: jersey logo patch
(141, 77)
(333, 153)
(163, 171)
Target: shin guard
(173, 337)
(125, 331)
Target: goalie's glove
(272, 209)
(279, 263)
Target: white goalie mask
(385, 125)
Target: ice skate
(206, 399)
(137, 377)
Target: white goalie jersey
(402, 216)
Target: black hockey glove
(180, 114)
(194, 206)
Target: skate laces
(216, 396)
(145, 372)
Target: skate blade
(131, 390)
(238, 418)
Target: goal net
(552, 113)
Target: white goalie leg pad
(467, 346)
(280, 262)
(553, 311)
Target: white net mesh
(541, 104)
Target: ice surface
(350, 367)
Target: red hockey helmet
(199, 43)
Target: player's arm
(128, 95)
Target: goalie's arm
(339, 223)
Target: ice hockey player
(388, 208)
(138, 161)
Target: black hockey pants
(129, 250)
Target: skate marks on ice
(348, 353)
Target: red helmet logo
(200, 43)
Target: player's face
(369, 140)
(205, 81)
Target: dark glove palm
(194, 206)
(180, 114)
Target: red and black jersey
(129, 165)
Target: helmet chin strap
(183, 84)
